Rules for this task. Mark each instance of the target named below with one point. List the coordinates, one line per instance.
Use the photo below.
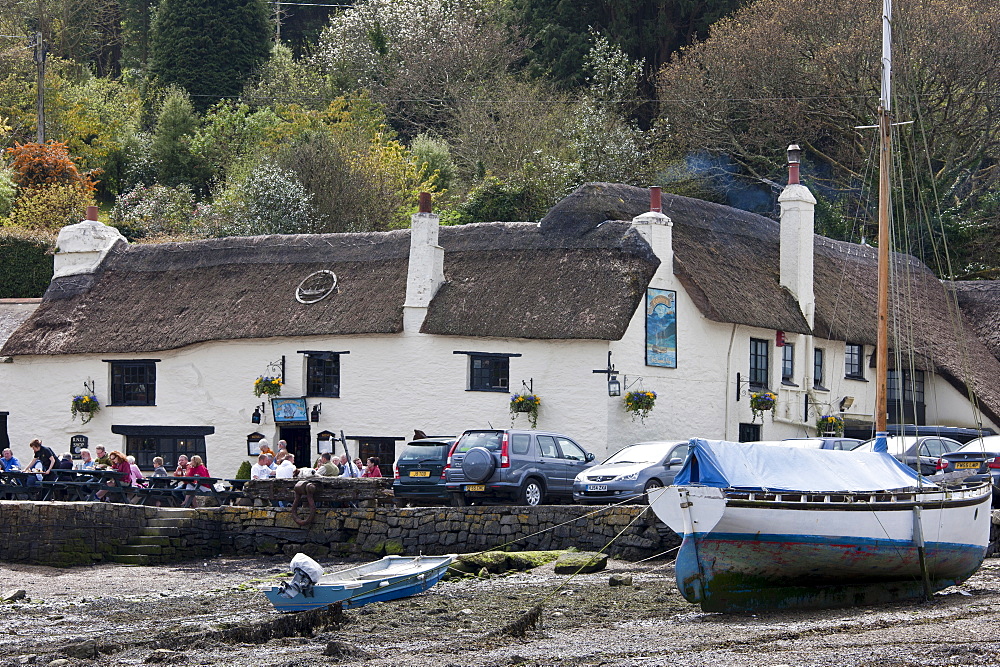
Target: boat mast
(882, 344)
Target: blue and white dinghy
(390, 578)
(768, 527)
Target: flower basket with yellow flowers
(761, 402)
(830, 424)
(267, 385)
(526, 403)
(640, 403)
(85, 405)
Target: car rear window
(488, 439)
(428, 452)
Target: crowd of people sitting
(276, 463)
(280, 464)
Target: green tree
(171, 149)
(209, 47)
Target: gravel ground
(126, 610)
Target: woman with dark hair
(371, 469)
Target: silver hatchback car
(631, 472)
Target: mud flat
(123, 615)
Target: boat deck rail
(909, 495)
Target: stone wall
(357, 532)
(64, 534)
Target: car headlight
(627, 478)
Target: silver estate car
(631, 472)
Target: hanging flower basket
(267, 385)
(85, 405)
(640, 403)
(526, 403)
(761, 402)
(832, 424)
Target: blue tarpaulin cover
(737, 465)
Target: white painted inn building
(378, 334)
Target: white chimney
(425, 273)
(657, 229)
(81, 248)
(798, 211)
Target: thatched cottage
(377, 334)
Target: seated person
(327, 468)
(182, 466)
(86, 462)
(158, 469)
(286, 467)
(8, 461)
(196, 469)
(103, 460)
(65, 462)
(120, 464)
(261, 470)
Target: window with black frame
(323, 374)
(133, 382)
(818, 370)
(788, 364)
(488, 371)
(854, 355)
(759, 363)
(145, 447)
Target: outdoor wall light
(846, 402)
(794, 154)
(614, 386)
(317, 409)
(258, 413)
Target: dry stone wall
(64, 534)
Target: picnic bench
(173, 491)
(331, 490)
(83, 485)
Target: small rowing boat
(389, 578)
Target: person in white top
(286, 470)
(347, 467)
(260, 470)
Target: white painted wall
(390, 385)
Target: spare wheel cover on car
(478, 464)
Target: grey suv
(526, 467)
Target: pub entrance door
(299, 444)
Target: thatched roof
(577, 274)
(504, 279)
(728, 262)
(980, 303)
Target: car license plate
(597, 487)
(475, 487)
(420, 473)
(967, 464)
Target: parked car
(526, 467)
(923, 454)
(419, 471)
(631, 472)
(839, 444)
(981, 458)
(958, 433)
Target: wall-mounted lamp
(258, 414)
(614, 386)
(846, 402)
(317, 409)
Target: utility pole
(40, 62)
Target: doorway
(299, 444)
(382, 448)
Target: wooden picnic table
(14, 485)
(83, 485)
(331, 489)
(172, 491)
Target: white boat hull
(744, 550)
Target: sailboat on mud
(774, 527)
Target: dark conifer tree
(208, 47)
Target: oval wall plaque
(316, 287)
